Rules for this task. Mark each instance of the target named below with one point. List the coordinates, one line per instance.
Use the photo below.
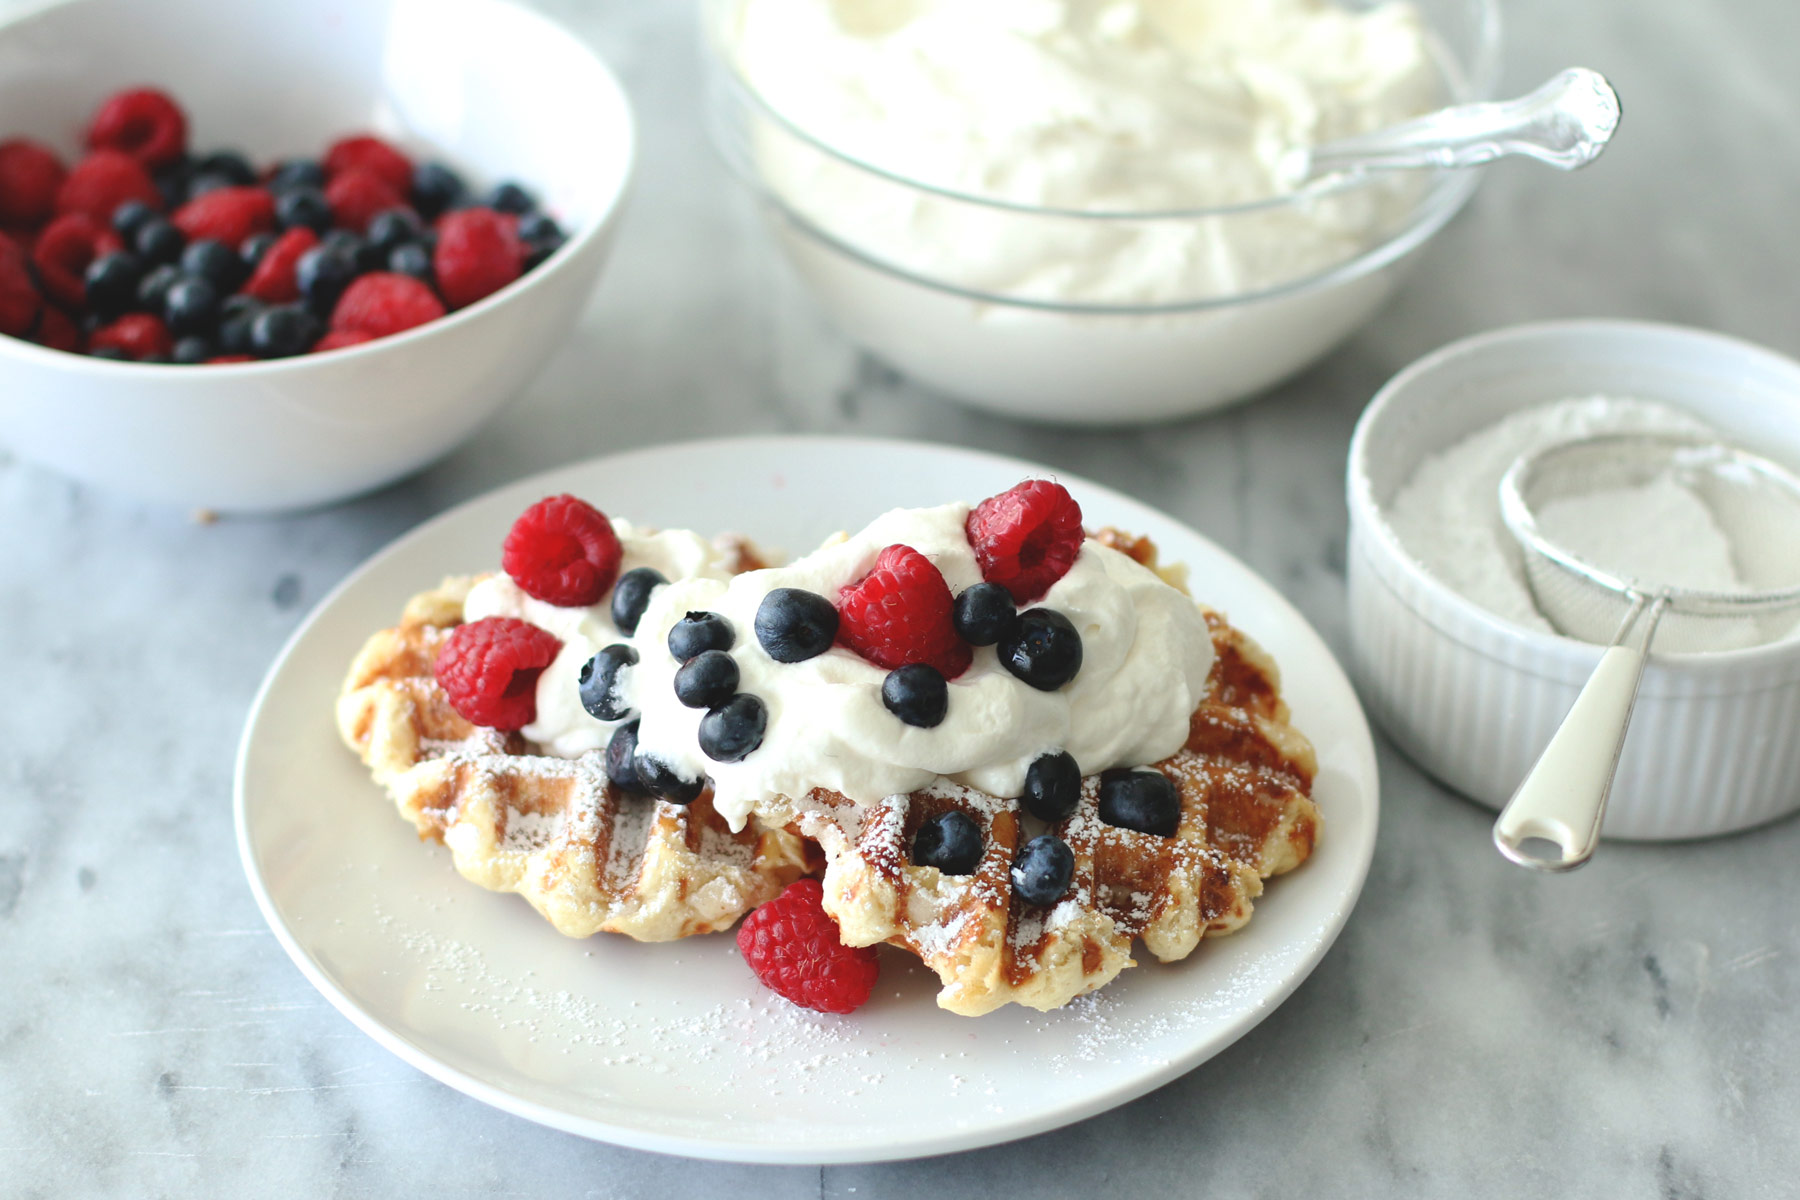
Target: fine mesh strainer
(1599, 591)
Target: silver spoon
(1567, 123)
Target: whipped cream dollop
(1146, 655)
(1089, 105)
(563, 727)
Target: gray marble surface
(1627, 1031)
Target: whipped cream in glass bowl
(1074, 210)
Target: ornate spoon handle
(1567, 123)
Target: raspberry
(139, 335)
(19, 299)
(64, 251)
(1026, 538)
(366, 153)
(56, 332)
(478, 253)
(489, 670)
(104, 180)
(340, 339)
(230, 358)
(356, 195)
(30, 175)
(794, 947)
(563, 551)
(899, 613)
(143, 123)
(227, 214)
(382, 303)
(273, 281)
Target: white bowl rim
(1554, 648)
(597, 226)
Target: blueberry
(631, 595)
(191, 350)
(538, 253)
(156, 358)
(254, 247)
(113, 352)
(620, 754)
(917, 694)
(794, 625)
(599, 683)
(390, 228)
(129, 217)
(154, 286)
(112, 281)
(510, 198)
(709, 678)
(698, 632)
(158, 241)
(984, 613)
(410, 258)
(729, 732)
(303, 207)
(236, 317)
(1140, 800)
(1043, 869)
(229, 165)
(950, 841)
(1052, 786)
(323, 273)
(1042, 648)
(191, 306)
(660, 779)
(539, 227)
(542, 237)
(297, 173)
(281, 332)
(435, 188)
(172, 181)
(214, 262)
(353, 244)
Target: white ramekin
(1715, 738)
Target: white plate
(676, 1047)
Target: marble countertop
(1625, 1031)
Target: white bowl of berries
(263, 257)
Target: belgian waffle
(1244, 779)
(554, 830)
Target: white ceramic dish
(676, 1047)
(498, 91)
(1473, 698)
(1032, 357)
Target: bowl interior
(495, 90)
(1751, 394)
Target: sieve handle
(1563, 798)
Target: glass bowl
(931, 280)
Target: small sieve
(1552, 822)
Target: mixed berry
(142, 250)
(793, 946)
(950, 841)
(489, 670)
(900, 616)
